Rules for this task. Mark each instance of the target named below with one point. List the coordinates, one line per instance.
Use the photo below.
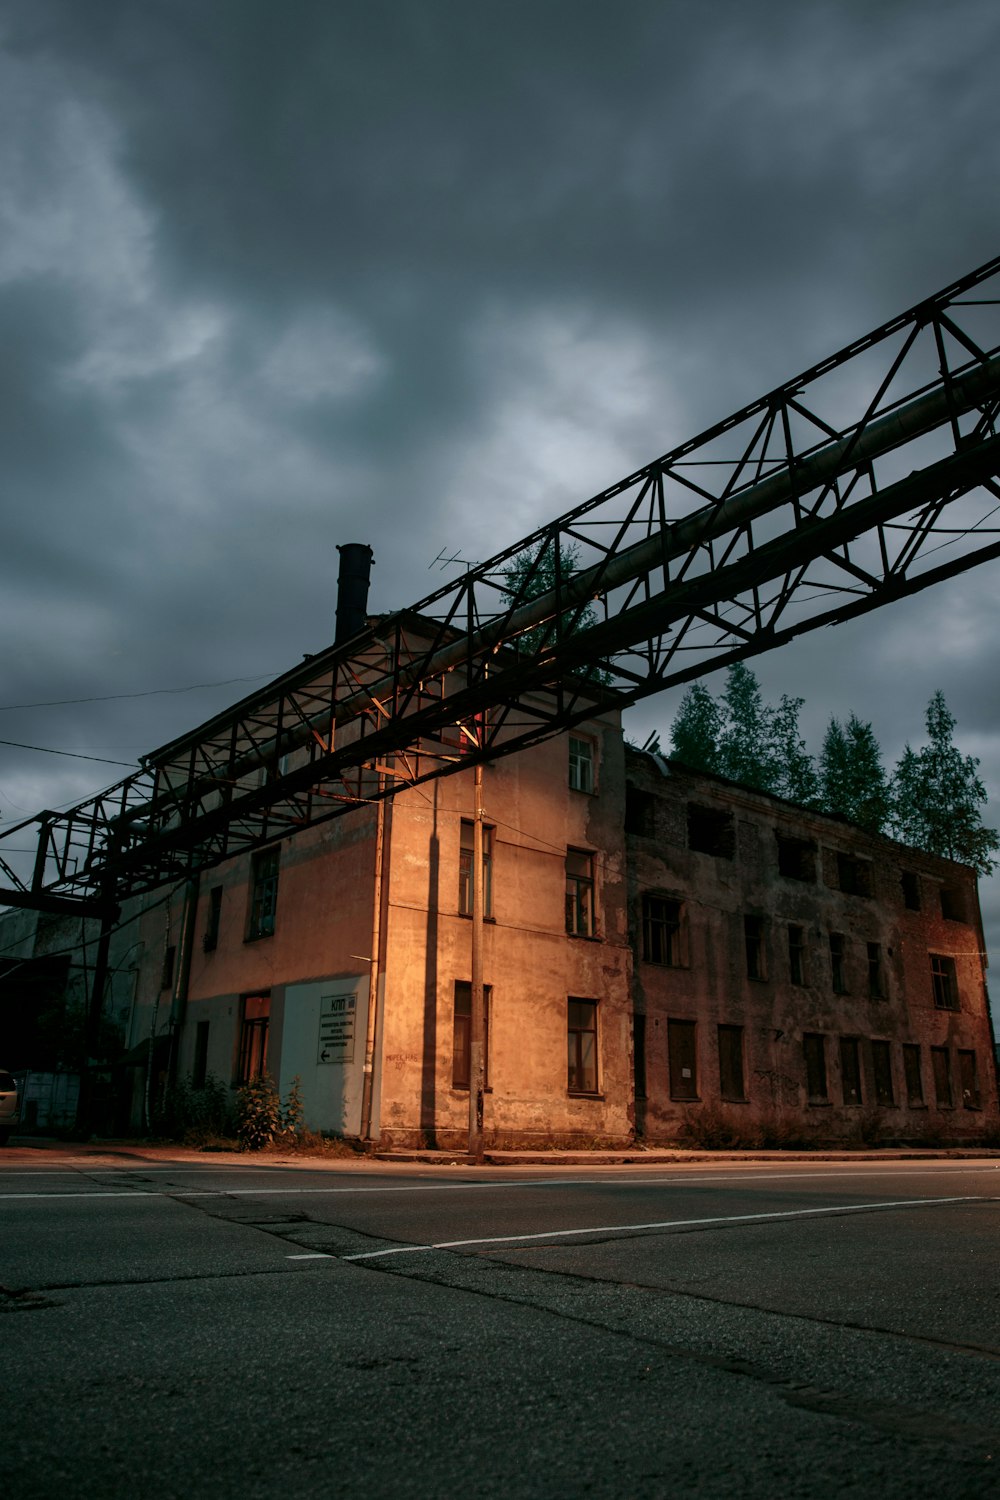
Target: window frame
(885, 1093)
(944, 1096)
(814, 1058)
(254, 1035)
(944, 982)
(755, 946)
(580, 906)
(262, 910)
(913, 1075)
(582, 768)
(838, 963)
(682, 1049)
(661, 932)
(579, 1082)
(465, 857)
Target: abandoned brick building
(662, 949)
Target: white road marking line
(555, 1234)
(314, 1256)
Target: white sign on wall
(337, 1015)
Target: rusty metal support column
(477, 1017)
(92, 1027)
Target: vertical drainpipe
(182, 973)
(368, 1079)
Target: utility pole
(477, 1018)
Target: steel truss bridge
(864, 479)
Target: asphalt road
(237, 1329)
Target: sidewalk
(139, 1151)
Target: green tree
(937, 795)
(696, 729)
(792, 767)
(746, 748)
(853, 782)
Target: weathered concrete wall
(530, 963)
(710, 984)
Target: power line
(73, 754)
(148, 693)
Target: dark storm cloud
(274, 277)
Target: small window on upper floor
(581, 764)
(910, 882)
(579, 893)
(661, 930)
(711, 831)
(640, 812)
(854, 875)
(796, 858)
(263, 893)
(754, 947)
(952, 903)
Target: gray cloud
(427, 274)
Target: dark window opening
(753, 942)
(912, 1073)
(640, 812)
(253, 1038)
(968, 1079)
(683, 1059)
(854, 876)
(838, 966)
(461, 1051)
(796, 858)
(850, 1069)
(882, 1071)
(731, 1084)
(911, 890)
(711, 831)
(579, 893)
(639, 1054)
(814, 1052)
(167, 968)
(465, 856)
(199, 1071)
(943, 982)
(661, 930)
(797, 954)
(581, 1036)
(876, 975)
(263, 893)
(952, 903)
(940, 1066)
(213, 919)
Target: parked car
(10, 1106)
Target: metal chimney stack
(352, 590)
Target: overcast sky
(278, 276)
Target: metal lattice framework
(866, 478)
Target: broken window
(210, 939)
(854, 875)
(912, 1073)
(814, 1052)
(838, 967)
(579, 893)
(941, 1068)
(911, 890)
(753, 942)
(796, 954)
(682, 1058)
(943, 982)
(661, 930)
(796, 858)
(731, 1083)
(711, 831)
(582, 1047)
(640, 812)
(967, 1078)
(882, 1071)
(850, 1069)
(952, 903)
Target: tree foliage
(937, 795)
(852, 779)
(933, 800)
